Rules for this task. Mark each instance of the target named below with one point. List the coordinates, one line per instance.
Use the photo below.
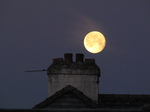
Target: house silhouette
(73, 87)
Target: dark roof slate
(68, 97)
(123, 100)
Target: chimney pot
(79, 57)
(57, 60)
(90, 60)
(68, 57)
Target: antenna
(36, 70)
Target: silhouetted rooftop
(67, 98)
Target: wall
(85, 83)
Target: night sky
(33, 32)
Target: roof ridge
(63, 91)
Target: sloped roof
(123, 100)
(68, 97)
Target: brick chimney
(83, 75)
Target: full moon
(94, 42)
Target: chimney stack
(82, 74)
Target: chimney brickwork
(83, 75)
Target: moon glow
(94, 42)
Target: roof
(107, 103)
(68, 97)
(71, 97)
(123, 100)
